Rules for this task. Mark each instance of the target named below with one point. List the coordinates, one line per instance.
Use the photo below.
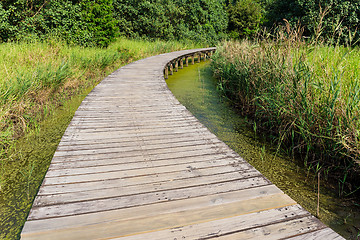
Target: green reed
(305, 96)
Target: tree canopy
(98, 22)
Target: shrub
(200, 20)
(244, 18)
(98, 17)
(84, 22)
(334, 21)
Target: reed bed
(306, 97)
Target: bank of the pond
(196, 89)
(41, 86)
(25, 169)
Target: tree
(244, 18)
(199, 20)
(98, 16)
(334, 21)
(84, 22)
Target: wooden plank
(136, 180)
(116, 134)
(155, 155)
(137, 146)
(278, 230)
(149, 211)
(119, 190)
(118, 124)
(140, 161)
(172, 220)
(196, 168)
(171, 152)
(130, 142)
(144, 137)
(226, 226)
(97, 205)
(325, 233)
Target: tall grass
(307, 96)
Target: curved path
(135, 164)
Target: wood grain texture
(136, 164)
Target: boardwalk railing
(174, 64)
(135, 164)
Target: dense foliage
(82, 22)
(334, 21)
(202, 20)
(72, 21)
(96, 22)
(245, 17)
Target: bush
(334, 21)
(244, 18)
(7, 30)
(201, 20)
(85, 22)
(98, 17)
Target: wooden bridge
(135, 164)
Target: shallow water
(26, 167)
(195, 88)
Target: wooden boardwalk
(135, 164)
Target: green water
(195, 88)
(24, 168)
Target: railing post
(181, 63)
(176, 65)
(166, 72)
(171, 69)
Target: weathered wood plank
(119, 190)
(176, 219)
(141, 161)
(146, 141)
(136, 180)
(151, 155)
(325, 233)
(97, 205)
(222, 227)
(149, 210)
(148, 164)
